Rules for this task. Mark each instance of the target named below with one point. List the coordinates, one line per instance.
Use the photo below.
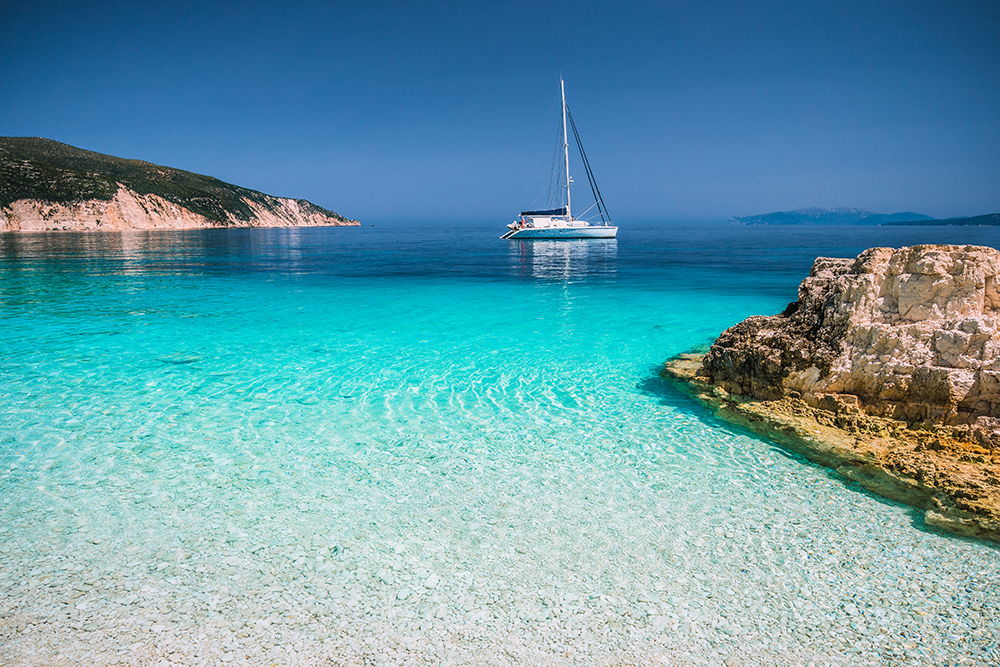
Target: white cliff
(130, 210)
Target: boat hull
(595, 232)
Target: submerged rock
(887, 368)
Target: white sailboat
(559, 223)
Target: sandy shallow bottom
(508, 548)
(203, 463)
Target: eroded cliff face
(907, 333)
(130, 210)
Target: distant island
(991, 219)
(50, 186)
(830, 216)
(858, 216)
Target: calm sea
(427, 444)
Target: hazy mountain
(991, 219)
(827, 216)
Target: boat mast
(562, 86)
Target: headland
(49, 186)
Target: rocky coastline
(48, 186)
(129, 210)
(886, 369)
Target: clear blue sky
(393, 111)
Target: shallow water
(383, 445)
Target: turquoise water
(422, 446)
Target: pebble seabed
(261, 470)
(526, 552)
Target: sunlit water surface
(383, 445)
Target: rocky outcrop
(911, 333)
(887, 369)
(131, 210)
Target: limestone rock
(908, 333)
(131, 210)
(46, 185)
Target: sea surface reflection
(569, 259)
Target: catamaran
(559, 223)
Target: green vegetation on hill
(36, 168)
